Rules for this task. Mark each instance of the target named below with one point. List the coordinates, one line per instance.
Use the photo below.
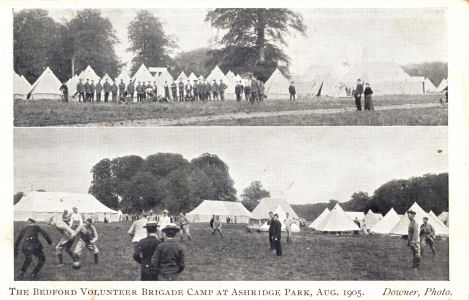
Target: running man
(66, 243)
(87, 237)
(216, 226)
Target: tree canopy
(160, 181)
(252, 194)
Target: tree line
(430, 191)
(251, 43)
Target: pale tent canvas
(231, 77)
(183, 77)
(109, 79)
(360, 216)
(42, 205)
(218, 75)
(443, 84)
(238, 78)
(319, 219)
(47, 86)
(124, 76)
(90, 74)
(337, 221)
(421, 81)
(385, 78)
(429, 86)
(444, 217)
(201, 78)
(371, 218)
(162, 76)
(319, 80)
(205, 210)
(261, 213)
(192, 78)
(72, 85)
(142, 75)
(401, 228)
(281, 217)
(434, 219)
(387, 223)
(21, 86)
(276, 86)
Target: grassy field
(246, 256)
(53, 113)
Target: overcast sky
(334, 35)
(300, 164)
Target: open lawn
(53, 113)
(246, 256)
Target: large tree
(260, 29)
(148, 41)
(252, 194)
(90, 41)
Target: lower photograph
(231, 204)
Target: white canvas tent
(109, 79)
(231, 77)
(72, 85)
(218, 75)
(371, 219)
(47, 86)
(281, 217)
(356, 215)
(261, 212)
(320, 218)
(401, 228)
(337, 221)
(192, 78)
(385, 78)
(444, 217)
(21, 86)
(204, 212)
(183, 77)
(319, 81)
(433, 219)
(43, 205)
(124, 76)
(142, 75)
(429, 86)
(238, 78)
(276, 86)
(387, 223)
(443, 84)
(90, 74)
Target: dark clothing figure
(271, 233)
(277, 236)
(99, 90)
(122, 89)
(32, 246)
(64, 90)
(168, 260)
(92, 91)
(427, 236)
(208, 91)
(195, 90)
(166, 92)
(238, 92)
(446, 93)
(87, 87)
(131, 90)
(215, 90)
(143, 254)
(81, 92)
(181, 91)
(174, 88)
(261, 90)
(292, 92)
(107, 90)
(368, 99)
(358, 96)
(247, 92)
(254, 91)
(222, 87)
(114, 90)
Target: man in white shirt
(75, 219)
(288, 223)
(165, 220)
(138, 231)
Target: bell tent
(401, 228)
(337, 221)
(320, 218)
(277, 86)
(21, 86)
(47, 86)
(124, 76)
(371, 218)
(281, 217)
(387, 223)
(234, 210)
(183, 77)
(90, 74)
(443, 84)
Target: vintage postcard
(241, 150)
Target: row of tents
(385, 78)
(337, 220)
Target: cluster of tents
(385, 79)
(338, 221)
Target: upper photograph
(230, 67)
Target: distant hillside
(435, 71)
(430, 191)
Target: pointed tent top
(20, 85)
(192, 77)
(401, 227)
(387, 223)
(182, 76)
(163, 75)
(109, 79)
(143, 75)
(268, 204)
(89, 73)
(277, 84)
(124, 75)
(443, 84)
(320, 218)
(47, 83)
(337, 221)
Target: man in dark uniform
(358, 95)
(260, 90)
(247, 91)
(188, 88)
(238, 91)
(254, 91)
(195, 90)
(138, 88)
(81, 91)
(202, 90)
(166, 91)
(107, 90)
(92, 90)
(168, 259)
(222, 87)
(427, 236)
(215, 90)
(121, 90)
(155, 90)
(99, 90)
(270, 222)
(413, 239)
(277, 235)
(31, 246)
(174, 93)
(145, 250)
(181, 90)
(114, 90)
(130, 90)
(208, 90)
(87, 91)
(64, 89)
(292, 91)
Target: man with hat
(144, 251)
(215, 90)
(137, 230)
(99, 90)
(277, 235)
(87, 237)
(92, 90)
(413, 239)
(31, 246)
(87, 89)
(80, 90)
(427, 236)
(195, 90)
(107, 90)
(222, 87)
(292, 91)
(164, 220)
(181, 90)
(168, 260)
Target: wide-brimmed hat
(165, 211)
(411, 212)
(171, 227)
(151, 225)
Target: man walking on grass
(184, 226)
(427, 236)
(413, 239)
(270, 222)
(168, 260)
(216, 226)
(144, 251)
(137, 230)
(277, 235)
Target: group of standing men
(275, 231)
(417, 238)
(367, 92)
(254, 90)
(198, 91)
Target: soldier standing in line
(87, 91)
(202, 90)
(174, 93)
(99, 90)
(166, 91)
(247, 91)
(147, 90)
(254, 90)
(131, 90)
(413, 239)
(358, 95)
(189, 91)
(195, 90)
(261, 90)
(238, 91)
(31, 246)
(92, 90)
(155, 90)
(292, 91)
(427, 236)
(215, 90)
(222, 87)
(144, 251)
(81, 91)
(121, 90)
(114, 90)
(208, 90)
(138, 88)
(107, 89)
(181, 90)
